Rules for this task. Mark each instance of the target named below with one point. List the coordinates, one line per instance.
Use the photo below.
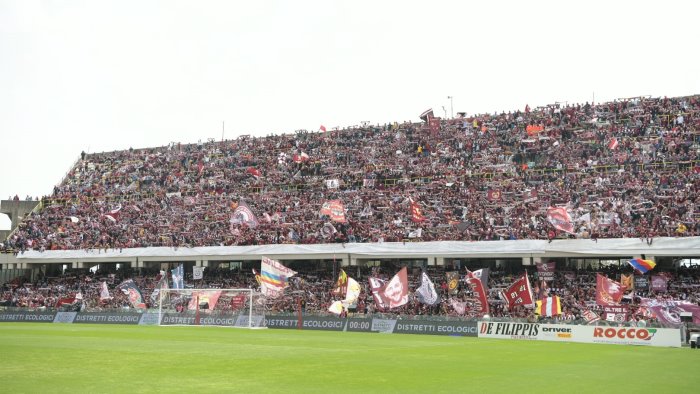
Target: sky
(99, 75)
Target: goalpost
(242, 308)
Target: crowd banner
(642, 336)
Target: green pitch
(75, 358)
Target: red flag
(238, 301)
(65, 301)
(416, 213)
(335, 210)
(254, 172)
(607, 291)
(479, 290)
(493, 195)
(205, 297)
(323, 128)
(519, 293)
(395, 292)
(560, 219)
(434, 124)
(377, 287)
(300, 158)
(612, 145)
(113, 215)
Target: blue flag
(178, 277)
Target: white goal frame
(250, 293)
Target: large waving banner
(560, 219)
(396, 290)
(129, 288)
(335, 210)
(519, 293)
(608, 292)
(669, 311)
(273, 277)
(376, 286)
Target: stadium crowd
(627, 168)
(313, 291)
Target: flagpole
(529, 288)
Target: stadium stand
(626, 169)
(314, 290)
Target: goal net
(211, 307)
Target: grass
(89, 358)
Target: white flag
(426, 292)
(336, 307)
(352, 294)
(104, 292)
(197, 272)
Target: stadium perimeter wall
(642, 336)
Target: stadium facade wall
(435, 252)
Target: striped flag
(273, 277)
(612, 145)
(641, 265)
(341, 284)
(550, 306)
